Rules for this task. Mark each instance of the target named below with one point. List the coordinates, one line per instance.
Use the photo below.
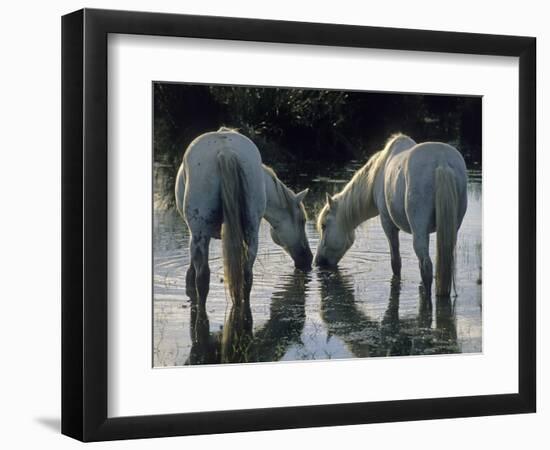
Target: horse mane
(358, 194)
(286, 196)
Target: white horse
(222, 191)
(416, 188)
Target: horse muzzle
(303, 262)
(322, 262)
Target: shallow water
(357, 311)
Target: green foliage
(312, 123)
(292, 125)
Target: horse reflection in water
(392, 336)
(237, 342)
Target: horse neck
(359, 196)
(356, 203)
(275, 199)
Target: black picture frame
(84, 224)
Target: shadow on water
(392, 336)
(238, 342)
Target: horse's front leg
(199, 260)
(392, 233)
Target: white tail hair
(180, 190)
(446, 218)
(233, 197)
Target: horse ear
(331, 202)
(301, 195)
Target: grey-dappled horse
(223, 191)
(416, 188)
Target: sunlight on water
(357, 311)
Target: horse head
(288, 231)
(336, 236)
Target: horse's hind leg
(199, 260)
(421, 244)
(252, 243)
(392, 233)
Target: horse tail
(446, 218)
(234, 242)
(180, 189)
